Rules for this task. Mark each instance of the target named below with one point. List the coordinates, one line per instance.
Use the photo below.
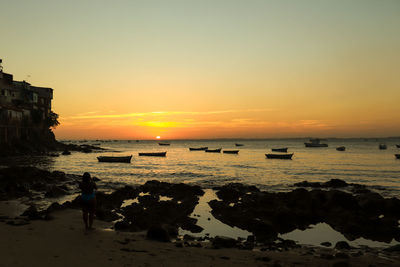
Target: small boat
(315, 143)
(153, 154)
(341, 148)
(239, 144)
(66, 152)
(214, 150)
(198, 148)
(398, 146)
(231, 151)
(124, 159)
(164, 144)
(382, 146)
(397, 156)
(284, 149)
(279, 156)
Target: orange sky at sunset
(210, 69)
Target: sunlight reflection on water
(362, 162)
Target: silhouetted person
(88, 187)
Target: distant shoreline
(235, 139)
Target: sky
(194, 69)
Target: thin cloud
(90, 115)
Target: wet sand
(63, 242)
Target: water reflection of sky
(322, 232)
(362, 162)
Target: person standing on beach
(88, 187)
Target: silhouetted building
(22, 106)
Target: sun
(158, 137)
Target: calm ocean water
(362, 162)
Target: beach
(63, 242)
(139, 226)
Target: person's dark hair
(86, 177)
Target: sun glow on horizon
(158, 137)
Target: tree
(52, 120)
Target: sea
(362, 163)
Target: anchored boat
(153, 154)
(164, 144)
(279, 156)
(341, 148)
(124, 159)
(284, 149)
(231, 151)
(198, 148)
(315, 143)
(214, 150)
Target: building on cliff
(24, 109)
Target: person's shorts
(89, 205)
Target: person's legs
(91, 215)
(85, 219)
(91, 212)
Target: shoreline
(172, 206)
(63, 242)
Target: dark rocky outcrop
(267, 214)
(342, 245)
(223, 242)
(174, 213)
(158, 233)
(16, 182)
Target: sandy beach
(33, 235)
(64, 242)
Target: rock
(122, 226)
(342, 245)
(287, 243)
(250, 238)
(326, 244)
(187, 237)
(55, 191)
(106, 215)
(191, 227)
(247, 245)
(223, 242)
(335, 183)
(66, 152)
(307, 184)
(158, 233)
(233, 191)
(32, 213)
(172, 230)
(395, 248)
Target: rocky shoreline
(160, 209)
